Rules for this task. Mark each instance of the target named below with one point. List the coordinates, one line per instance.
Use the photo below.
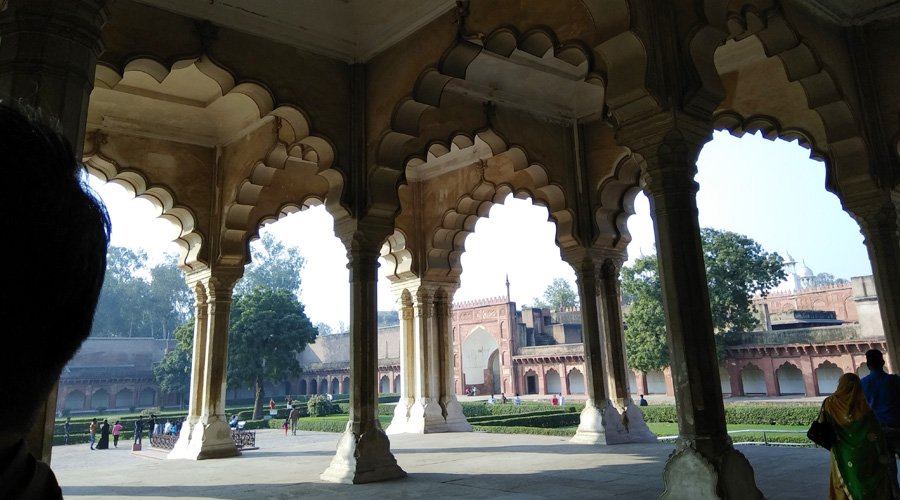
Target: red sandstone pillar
(809, 376)
(769, 374)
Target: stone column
(877, 217)
(625, 421)
(407, 362)
(363, 452)
(704, 463)
(209, 435)
(592, 427)
(455, 420)
(198, 366)
(48, 53)
(428, 359)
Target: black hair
(57, 237)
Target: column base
(636, 430)
(605, 425)
(363, 459)
(592, 427)
(690, 474)
(456, 419)
(201, 441)
(426, 417)
(401, 417)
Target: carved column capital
(669, 144)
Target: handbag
(821, 433)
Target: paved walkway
(458, 465)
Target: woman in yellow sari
(862, 467)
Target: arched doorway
(335, 386)
(553, 385)
(100, 399)
(754, 381)
(313, 387)
(531, 382)
(384, 386)
(827, 375)
(397, 384)
(345, 386)
(576, 381)
(790, 380)
(74, 401)
(494, 367)
(302, 388)
(478, 349)
(124, 398)
(147, 397)
(656, 382)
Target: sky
(768, 190)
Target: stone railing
(552, 350)
(794, 336)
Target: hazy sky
(770, 191)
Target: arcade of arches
(409, 121)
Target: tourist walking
(66, 428)
(116, 430)
(284, 425)
(93, 430)
(883, 395)
(152, 429)
(862, 466)
(294, 416)
(139, 429)
(103, 444)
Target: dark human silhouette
(139, 430)
(883, 395)
(55, 259)
(103, 443)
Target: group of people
(154, 426)
(558, 400)
(865, 418)
(105, 431)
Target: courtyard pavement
(456, 465)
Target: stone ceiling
(348, 30)
(853, 12)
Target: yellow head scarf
(848, 403)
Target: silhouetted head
(57, 235)
(875, 360)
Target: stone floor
(460, 465)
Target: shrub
(557, 419)
(475, 409)
(319, 406)
(744, 414)
(502, 429)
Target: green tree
(169, 300)
(173, 373)
(272, 265)
(121, 310)
(645, 321)
(823, 279)
(737, 267)
(268, 331)
(388, 318)
(560, 294)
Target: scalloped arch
(394, 148)
(844, 151)
(296, 150)
(521, 178)
(159, 196)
